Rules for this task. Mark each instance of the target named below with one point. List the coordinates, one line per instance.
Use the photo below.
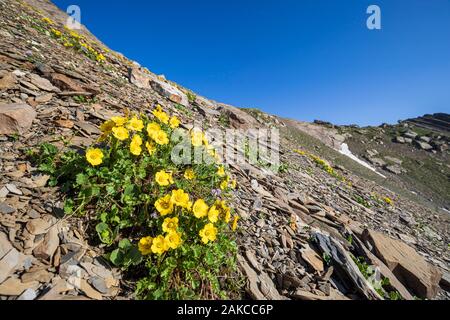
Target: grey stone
(9, 263)
(29, 294)
(13, 189)
(5, 209)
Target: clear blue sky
(306, 60)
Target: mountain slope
(299, 229)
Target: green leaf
(116, 257)
(81, 179)
(124, 244)
(68, 206)
(104, 233)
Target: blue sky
(306, 60)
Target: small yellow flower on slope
(47, 20)
(159, 245)
(170, 224)
(235, 221)
(173, 239)
(174, 122)
(200, 208)
(196, 138)
(152, 129)
(119, 121)
(145, 245)
(164, 178)
(161, 138)
(208, 233)
(135, 124)
(120, 133)
(224, 184)
(161, 116)
(180, 198)
(213, 214)
(94, 156)
(135, 145)
(221, 171)
(189, 174)
(164, 205)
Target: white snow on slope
(346, 151)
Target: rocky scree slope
(309, 232)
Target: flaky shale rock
(16, 118)
(406, 264)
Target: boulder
(42, 83)
(395, 169)
(406, 264)
(16, 118)
(163, 87)
(65, 83)
(238, 119)
(400, 139)
(410, 134)
(423, 145)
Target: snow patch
(346, 151)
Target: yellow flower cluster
(70, 38)
(172, 203)
(162, 243)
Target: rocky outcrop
(162, 86)
(404, 262)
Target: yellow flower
(164, 205)
(145, 245)
(208, 233)
(94, 156)
(235, 221)
(233, 184)
(135, 149)
(135, 124)
(119, 121)
(137, 140)
(180, 198)
(388, 200)
(224, 184)
(164, 178)
(200, 208)
(56, 32)
(170, 224)
(174, 122)
(213, 214)
(173, 239)
(107, 126)
(221, 171)
(189, 174)
(152, 129)
(197, 138)
(47, 20)
(151, 148)
(161, 116)
(120, 133)
(161, 138)
(159, 245)
(100, 57)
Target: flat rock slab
(16, 118)
(406, 264)
(9, 263)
